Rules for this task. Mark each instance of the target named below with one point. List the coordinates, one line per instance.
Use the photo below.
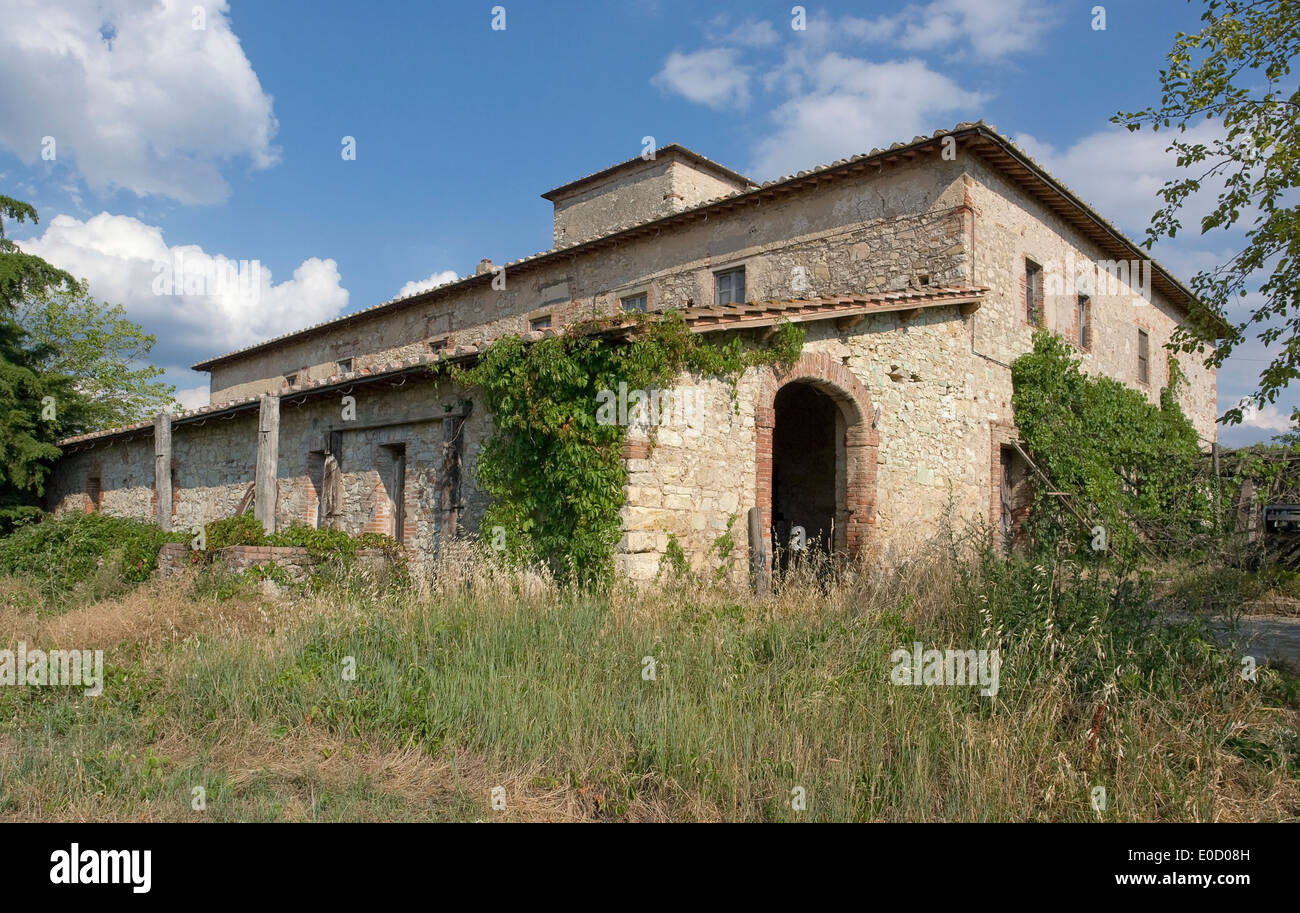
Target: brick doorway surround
(861, 440)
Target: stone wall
(1012, 227)
(875, 232)
(115, 476)
(174, 558)
(923, 399)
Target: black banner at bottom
(335, 862)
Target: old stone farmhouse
(918, 272)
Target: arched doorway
(807, 470)
(816, 454)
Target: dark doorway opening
(807, 472)
(1014, 494)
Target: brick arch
(861, 440)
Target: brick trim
(861, 440)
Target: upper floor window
(290, 379)
(344, 365)
(634, 302)
(1083, 317)
(729, 286)
(1033, 293)
(1144, 357)
(537, 324)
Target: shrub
(60, 553)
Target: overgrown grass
(496, 679)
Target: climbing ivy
(554, 472)
(1127, 465)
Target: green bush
(60, 553)
(242, 529)
(1130, 464)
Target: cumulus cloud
(713, 77)
(845, 105)
(1121, 173)
(133, 94)
(435, 279)
(197, 303)
(191, 397)
(992, 29)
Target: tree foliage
(1236, 71)
(103, 352)
(22, 274)
(67, 365)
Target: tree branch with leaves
(1236, 71)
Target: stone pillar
(162, 470)
(268, 457)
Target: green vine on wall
(554, 472)
(1129, 466)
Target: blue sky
(225, 141)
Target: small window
(635, 303)
(1083, 316)
(537, 324)
(729, 286)
(438, 343)
(1144, 357)
(344, 365)
(290, 379)
(1033, 293)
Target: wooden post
(758, 570)
(162, 469)
(268, 457)
(449, 486)
(330, 495)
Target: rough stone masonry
(918, 272)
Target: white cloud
(713, 77)
(1270, 418)
(844, 106)
(157, 107)
(192, 397)
(993, 29)
(1120, 173)
(753, 34)
(127, 261)
(435, 279)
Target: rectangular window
(1144, 357)
(1033, 293)
(344, 365)
(1083, 316)
(537, 324)
(729, 286)
(635, 303)
(290, 379)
